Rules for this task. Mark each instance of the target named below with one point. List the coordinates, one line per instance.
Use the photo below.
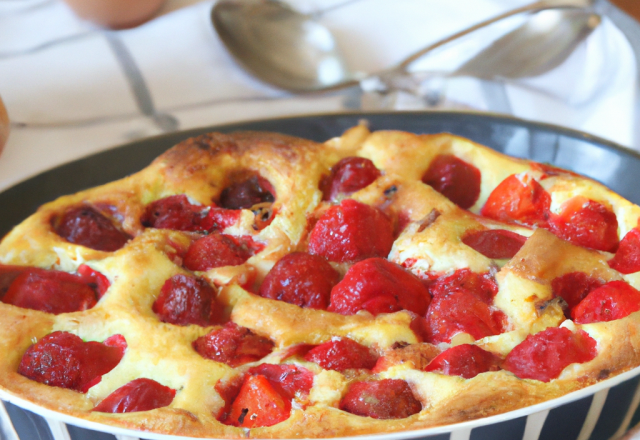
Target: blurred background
(78, 77)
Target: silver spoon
(290, 50)
(542, 43)
(539, 45)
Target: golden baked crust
(201, 168)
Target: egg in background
(4, 125)
(116, 14)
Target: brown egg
(4, 125)
(116, 14)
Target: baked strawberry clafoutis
(259, 285)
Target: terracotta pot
(116, 14)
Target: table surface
(632, 7)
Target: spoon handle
(533, 7)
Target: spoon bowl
(278, 45)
